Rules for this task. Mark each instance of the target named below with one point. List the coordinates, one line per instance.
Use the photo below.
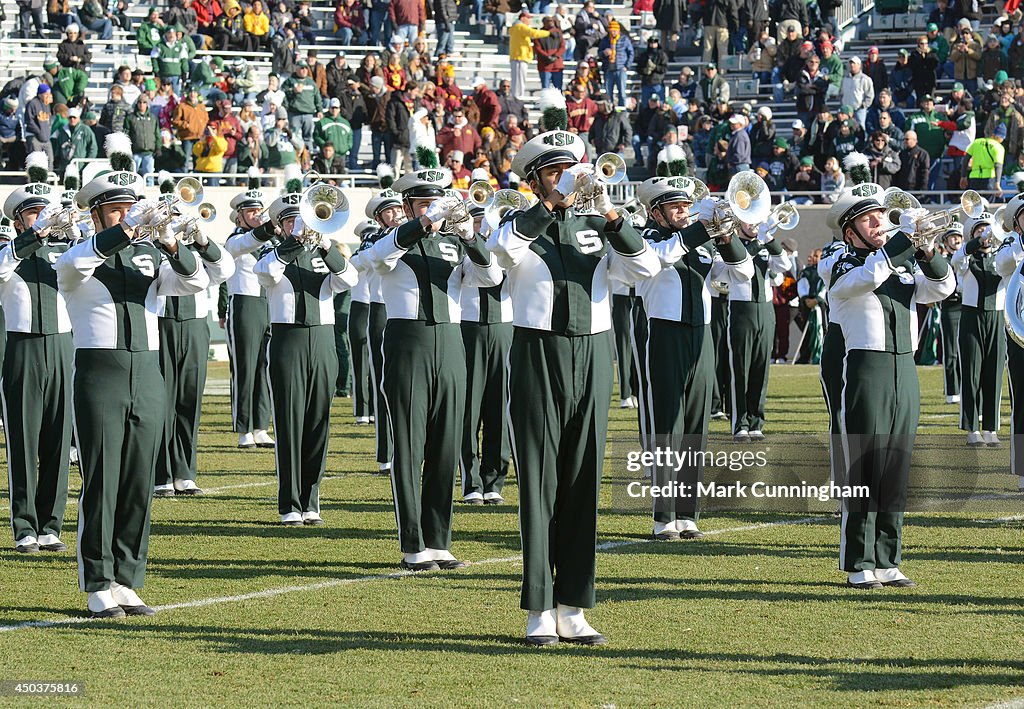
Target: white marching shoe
(361, 420)
(974, 439)
(186, 487)
(542, 628)
(893, 577)
(627, 403)
(129, 601)
(990, 438)
(312, 519)
(262, 439)
(574, 628)
(245, 440)
(292, 519)
(953, 399)
(102, 605)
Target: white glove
(764, 234)
(198, 235)
(464, 230)
(46, 218)
(439, 209)
(706, 209)
(602, 203)
(909, 219)
(167, 238)
(567, 183)
(298, 226)
(326, 243)
(142, 212)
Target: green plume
(426, 157)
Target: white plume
(37, 158)
(163, 176)
(855, 160)
(550, 98)
(671, 153)
(118, 143)
(384, 169)
(253, 171)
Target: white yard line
(334, 583)
(1008, 704)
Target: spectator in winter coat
(713, 88)
(792, 13)
(833, 66)
(1007, 115)
(350, 22)
(459, 135)
(550, 52)
(589, 29)
(915, 165)
(761, 55)
(143, 128)
(762, 135)
(719, 17)
(875, 70)
(901, 80)
(610, 131)
(889, 129)
(209, 152)
(114, 111)
(256, 23)
(581, 109)
(883, 102)
(189, 122)
(782, 165)
(446, 12)
(883, 159)
(651, 65)
(737, 158)
(965, 53)
(37, 122)
(993, 59)
(520, 50)
(811, 88)
(72, 51)
(857, 91)
(408, 17)
(399, 111)
(487, 103)
(617, 56)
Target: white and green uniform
(873, 297)
(810, 286)
(982, 336)
(623, 304)
(376, 321)
(112, 286)
(423, 276)
(751, 332)
(720, 349)
(302, 363)
(680, 360)
(1008, 260)
(560, 380)
(248, 331)
(949, 324)
(833, 350)
(36, 385)
(363, 399)
(184, 353)
(487, 336)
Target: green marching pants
(949, 322)
(720, 349)
(751, 332)
(559, 393)
(833, 350)
(982, 356)
(184, 353)
(36, 390)
(375, 335)
(425, 392)
(359, 347)
(638, 340)
(484, 465)
(622, 323)
(119, 406)
(248, 329)
(680, 367)
(342, 307)
(303, 367)
(880, 411)
(1015, 371)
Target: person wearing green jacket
(303, 101)
(69, 87)
(73, 140)
(938, 43)
(147, 36)
(334, 129)
(277, 150)
(170, 60)
(143, 128)
(831, 63)
(930, 134)
(205, 74)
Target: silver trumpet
(186, 199)
(784, 217)
(609, 169)
(933, 224)
(481, 194)
(65, 223)
(324, 210)
(193, 221)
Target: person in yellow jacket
(520, 50)
(209, 152)
(257, 27)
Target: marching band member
(248, 323)
(111, 283)
(363, 399)
(752, 330)
(949, 320)
(425, 263)
(36, 382)
(623, 304)
(679, 357)
(719, 332)
(560, 374)
(487, 336)
(184, 353)
(810, 289)
(982, 337)
(1008, 260)
(873, 296)
(302, 362)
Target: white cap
(478, 80)
(855, 60)
(735, 119)
(73, 28)
(798, 124)
(76, 112)
(765, 111)
(480, 174)
(335, 103)
(458, 155)
(420, 113)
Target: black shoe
(541, 640)
(865, 585)
(494, 500)
(900, 583)
(163, 493)
(57, 546)
(265, 445)
(476, 502)
(191, 492)
(114, 612)
(342, 393)
(691, 534)
(669, 536)
(32, 548)
(137, 610)
(421, 566)
(449, 564)
(597, 639)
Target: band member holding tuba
(950, 311)
(111, 283)
(873, 296)
(36, 382)
(425, 264)
(248, 321)
(982, 338)
(301, 274)
(680, 360)
(559, 264)
(184, 352)
(1008, 263)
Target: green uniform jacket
(70, 84)
(170, 60)
(83, 142)
(148, 36)
(336, 131)
(930, 135)
(303, 102)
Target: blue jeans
(303, 125)
(647, 91)
(570, 47)
(378, 145)
(353, 156)
(445, 38)
(186, 145)
(498, 19)
(102, 25)
(174, 81)
(410, 32)
(344, 35)
(616, 79)
(551, 79)
(380, 26)
(638, 142)
(143, 163)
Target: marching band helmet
(972, 223)
(848, 207)
(250, 199)
(555, 147)
(34, 194)
(381, 201)
(285, 206)
(424, 184)
(657, 191)
(1012, 211)
(111, 187)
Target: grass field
(753, 615)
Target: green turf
(742, 618)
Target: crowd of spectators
(189, 112)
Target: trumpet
(205, 213)
(481, 193)
(65, 222)
(504, 201)
(324, 210)
(931, 225)
(635, 212)
(784, 217)
(186, 198)
(609, 169)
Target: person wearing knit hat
(119, 421)
(425, 263)
(680, 361)
(617, 56)
(551, 340)
(247, 322)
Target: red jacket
(229, 129)
(207, 11)
(490, 108)
(407, 12)
(550, 53)
(581, 115)
(465, 139)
